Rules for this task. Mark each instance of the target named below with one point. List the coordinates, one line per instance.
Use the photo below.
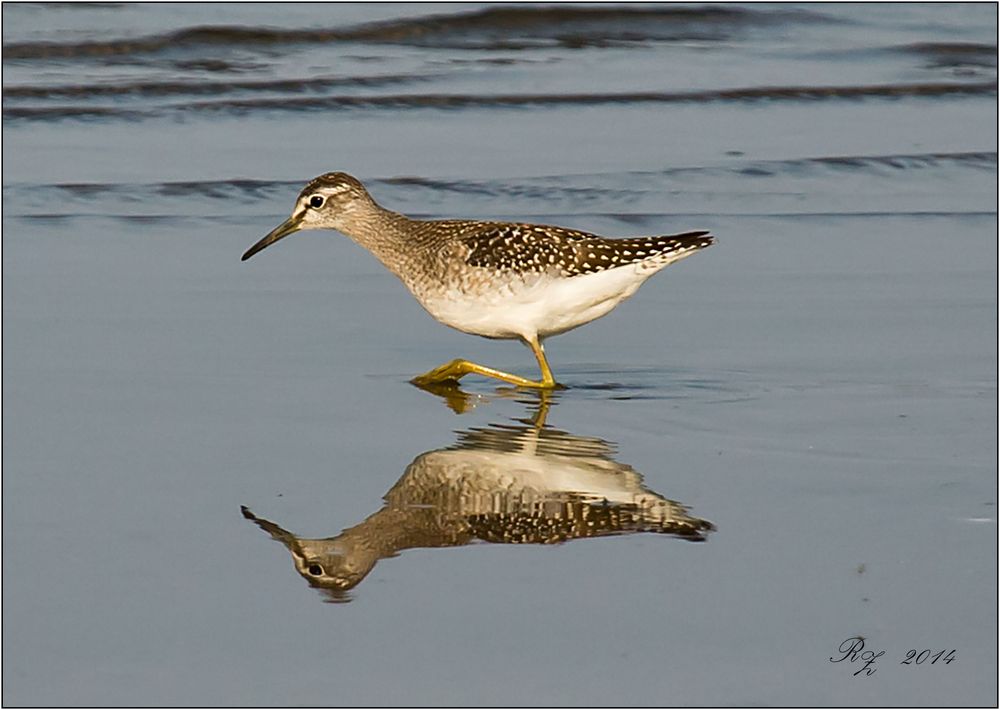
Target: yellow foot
(457, 369)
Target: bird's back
(526, 248)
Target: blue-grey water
(785, 442)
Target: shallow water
(781, 443)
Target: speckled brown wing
(539, 248)
(566, 520)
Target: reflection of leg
(458, 401)
(544, 399)
(456, 369)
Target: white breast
(539, 305)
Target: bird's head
(334, 565)
(330, 201)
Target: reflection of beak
(275, 531)
(290, 225)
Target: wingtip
(704, 236)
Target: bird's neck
(388, 235)
(391, 530)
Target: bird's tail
(658, 252)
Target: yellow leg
(456, 369)
(548, 381)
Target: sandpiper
(495, 279)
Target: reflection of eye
(315, 570)
(316, 201)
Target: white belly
(539, 306)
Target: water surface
(781, 443)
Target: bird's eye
(315, 570)
(316, 201)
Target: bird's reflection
(516, 484)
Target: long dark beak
(290, 225)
